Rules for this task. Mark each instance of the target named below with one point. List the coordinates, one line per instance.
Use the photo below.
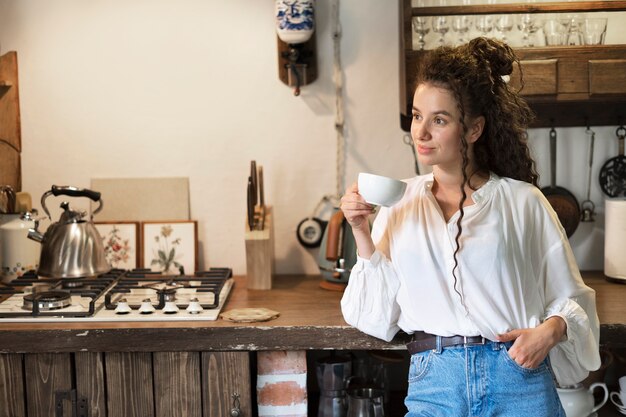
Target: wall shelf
(565, 85)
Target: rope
(338, 80)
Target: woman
(473, 260)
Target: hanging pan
(613, 172)
(561, 199)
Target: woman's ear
(476, 129)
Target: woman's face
(436, 128)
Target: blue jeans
(479, 381)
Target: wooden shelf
(564, 85)
(4, 83)
(552, 7)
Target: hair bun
(498, 55)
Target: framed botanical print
(170, 247)
(121, 243)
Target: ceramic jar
(295, 21)
(18, 254)
(578, 401)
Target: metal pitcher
(365, 402)
(71, 247)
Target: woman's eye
(439, 121)
(416, 116)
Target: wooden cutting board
(143, 199)
(10, 131)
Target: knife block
(260, 254)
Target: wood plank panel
(223, 375)
(540, 77)
(47, 374)
(129, 384)
(90, 381)
(10, 131)
(12, 386)
(607, 76)
(10, 166)
(177, 384)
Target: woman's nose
(419, 132)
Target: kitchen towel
(615, 238)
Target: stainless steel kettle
(71, 247)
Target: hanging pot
(561, 199)
(613, 172)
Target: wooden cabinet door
(12, 385)
(225, 374)
(47, 374)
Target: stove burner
(47, 300)
(72, 282)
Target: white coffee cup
(619, 399)
(622, 383)
(380, 190)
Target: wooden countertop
(310, 318)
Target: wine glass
(484, 24)
(441, 26)
(461, 25)
(421, 27)
(528, 25)
(504, 23)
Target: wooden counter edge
(261, 336)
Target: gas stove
(136, 295)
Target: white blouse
(515, 269)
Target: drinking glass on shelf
(528, 24)
(441, 26)
(555, 31)
(504, 23)
(461, 25)
(594, 30)
(421, 27)
(572, 23)
(484, 24)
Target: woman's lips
(424, 150)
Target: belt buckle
(468, 343)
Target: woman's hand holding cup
(355, 209)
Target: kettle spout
(33, 234)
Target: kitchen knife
(261, 198)
(255, 183)
(250, 204)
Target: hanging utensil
(408, 140)
(613, 172)
(587, 206)
(562, 200)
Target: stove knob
(146, 307)
(122, 307)
(170, 307)
(194, 306)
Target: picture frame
(121, 243)
(167, 247)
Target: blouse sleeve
(369, 301)
(567, 296)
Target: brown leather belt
(424, 341)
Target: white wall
(152, 88)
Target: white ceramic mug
(622, 383)
(619, 399)
(380, 190)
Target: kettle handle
(57, 190)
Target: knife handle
(334, 231)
